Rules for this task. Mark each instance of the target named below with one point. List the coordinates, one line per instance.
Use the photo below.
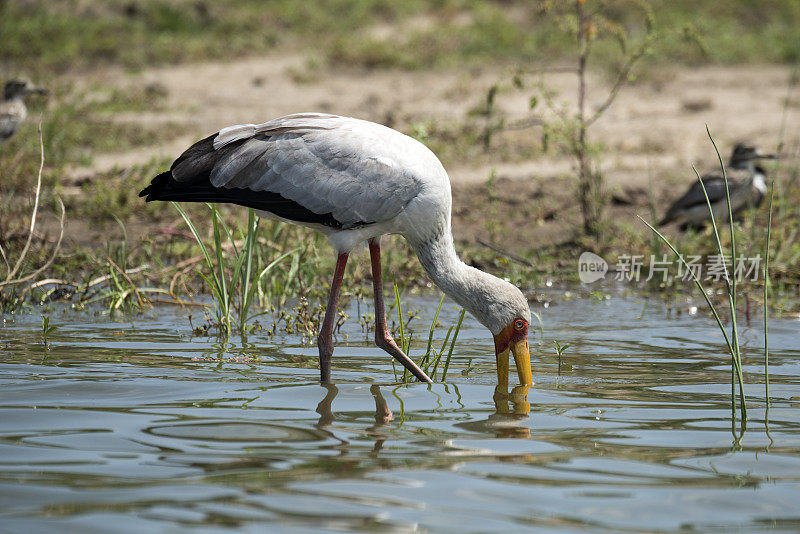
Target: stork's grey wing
(347, 172)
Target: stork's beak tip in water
(513, 339)
(512, 403)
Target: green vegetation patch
(42, 37)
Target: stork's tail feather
(156, 187)
(192, 168)
(165, 187)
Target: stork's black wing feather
(194, 167)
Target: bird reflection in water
(512, 409)
(383, 415)
(518, 397)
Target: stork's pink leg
(383, 338)
(325, 339)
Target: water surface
(136, 426)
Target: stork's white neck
(485, 296)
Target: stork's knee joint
(383, 340)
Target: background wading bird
(745, 182)
(12, 108)
(354, 181)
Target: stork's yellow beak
(507, 342)
(522, 357)
(502, 370)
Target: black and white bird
(354, 181)
(746, 183)
(12, 108)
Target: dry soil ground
(652, 134)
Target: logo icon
(591, 267)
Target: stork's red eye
(519, 324)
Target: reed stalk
(224, 278)
(732, 341)
(766, 297)
(431, 359)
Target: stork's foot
(385, 341)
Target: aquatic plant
(430, 360)
(732, 340)
(304, 276)
(766, 295)
(559, 352)
(10, 299)
(47, 329)
(225, 276)
(120, 289)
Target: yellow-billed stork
(354, 181)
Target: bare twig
(127, 279)
(179, 302)
(50, 281)
(27, 246)
(188, 262)
(101, 279)
(176, 277)
(509, 255)
(47, 282)
(622, 79)
(52, 258)
(5, 259)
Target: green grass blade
(766, 289)
(438, 358)
(433, 325)
(223, 282)
(696, 280)
(252, 288)
(400, 328)
(452, 345)
(731, 281)
(214, 285)
(196, 235)
(246, 287)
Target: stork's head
(513, 339)
(508, 317)
(744, 155)
(20, 88)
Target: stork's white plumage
(354, 181)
